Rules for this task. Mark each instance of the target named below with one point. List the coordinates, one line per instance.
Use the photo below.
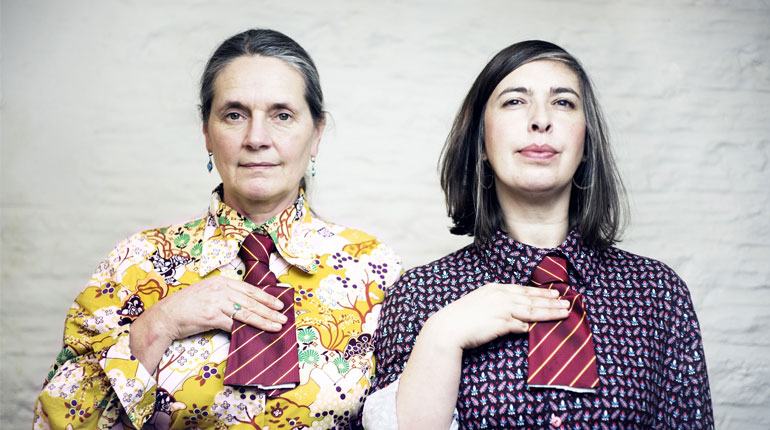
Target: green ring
(236, 306)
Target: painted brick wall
(100, 138)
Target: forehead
(541, 75)
(258, 78)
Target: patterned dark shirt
(652, 371)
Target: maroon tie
(561, 353)
(258, 358)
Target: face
(534, 130)
(261, 133)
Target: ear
(205, 130)
(317, 133)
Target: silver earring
(580, 187)
(312, 166)
(210, 164)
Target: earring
(210, 164)
(580, 187)
(491, 182)
(484, 175)
(312, 166)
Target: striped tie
(259, 358)
(561, 353)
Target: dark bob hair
(598, 205)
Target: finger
(256, 294)
(269, 314)
(535, 291)
(541, 302)
(534, 314)
(518, 326)
(255, 306)
(255, 320)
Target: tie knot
(552, 269)
(257, 247)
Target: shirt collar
(511, 261)
(226, 228)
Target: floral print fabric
(339, 275)
(649, 354)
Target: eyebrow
(527, 91)
(234, 104)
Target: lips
(258, 164)
(538, 151)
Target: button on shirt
(652, 372)
(339, 277)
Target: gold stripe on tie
(577, 326)
(590, 362)
(532, 350)
(271, 365)
(260, 352)
(585, 342)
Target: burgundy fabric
(561, 352)
(258, 358)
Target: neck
(538, 220)
(261, 211)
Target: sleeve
(95, 379)
(686, 396)
(380, 411)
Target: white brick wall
(100, 139)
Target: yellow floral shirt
(339, 276)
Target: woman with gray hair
(256, 315)
(541, 322)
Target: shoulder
(460, 263)
(182, 239)
(329, 237)
(649, 276)
(434, 285)
(626, 261)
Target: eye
(565, 103)
(512, 102)
(283, 116)
(233, 116)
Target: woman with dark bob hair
(257, 314)
(541, 322)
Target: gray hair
(269, 43)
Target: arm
(686, 395)
(428, 387)
(95, 355)
(111, 323)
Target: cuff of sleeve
(132, 383)
(380, 409)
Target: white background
(101, 138)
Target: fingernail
(564, 303)
(563, 312)
(282, 318)
(554, 293)
(275, 326)
(279, 304)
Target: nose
(540, 121)
(258, 135)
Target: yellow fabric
(339, 276)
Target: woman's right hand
(428, 386)
(204, 305)
(495, 310)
